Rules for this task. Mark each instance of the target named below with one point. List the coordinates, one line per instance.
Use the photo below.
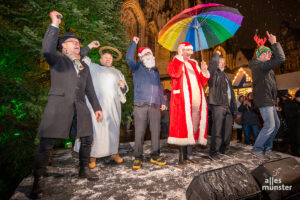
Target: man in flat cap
(66, 113)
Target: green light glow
(17, 134)
(68, 145)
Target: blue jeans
(247, 130)
(264, 141)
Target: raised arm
(50, 40)
(277, 59)
(213, 63)
(85, 50)
(204, 74)
(133, 65)
(278, 56)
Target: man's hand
(94, 44)
(136, 39)
(98, 114)
(121, 84)
(54, 19)
(218, 52)
(163, 107)
(246, 102)
(203, 66)
(271, 38)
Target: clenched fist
(94, 44)
(55, 20)
(136, 39)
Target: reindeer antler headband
(260, 45)
(259, 41)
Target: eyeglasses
(269, 52)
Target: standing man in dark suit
(66, 113)
(223, 105)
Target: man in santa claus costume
(188, 107)
(148, 102)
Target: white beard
(148, 61)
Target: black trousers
(46, 145)
(145, 114)
(239, 132)
(221, 129)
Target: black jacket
(249, 114)
(292, 113)
(264, 83)
(67, 92)
(218, 85)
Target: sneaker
(272, 155)
(137, 164)
(260, 155)
(159, 161)
(117, 158)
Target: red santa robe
(188, 115)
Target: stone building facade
(145, 18)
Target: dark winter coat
(292, 113)
(264, 83)
(67, 92)
(218, 85)
(249, 114)
(147, 86)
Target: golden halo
(113, 49)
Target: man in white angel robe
(110, 87)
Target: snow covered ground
(121, 182)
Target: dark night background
(24, 77)
(262, 15)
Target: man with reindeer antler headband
(265, 92)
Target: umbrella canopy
(204, 26)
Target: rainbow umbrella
(204, 26)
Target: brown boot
(116, 158)
(92, 163)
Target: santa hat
(143, 50)
(184, 45)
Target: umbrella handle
(199, 41)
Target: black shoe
(85, 172)
(216, 156)
(37, 188)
